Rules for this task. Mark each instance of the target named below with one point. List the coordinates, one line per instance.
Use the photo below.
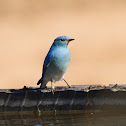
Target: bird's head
(62, 41)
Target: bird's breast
(61, 59)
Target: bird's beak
(71, 40)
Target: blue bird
(56, 62)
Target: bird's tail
(43, 84)
(40, 81)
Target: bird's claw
(52, 89)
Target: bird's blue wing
(47, 61)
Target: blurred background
(28, 28)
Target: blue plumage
(56, 61)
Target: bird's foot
(52, 89)
(69, 87)
(52, 92)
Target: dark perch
(83, 97)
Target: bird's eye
(62, 39)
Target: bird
(56, 62)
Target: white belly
(58, 66)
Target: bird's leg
(66, 83)
(52, 87)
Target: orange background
(28, 28)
